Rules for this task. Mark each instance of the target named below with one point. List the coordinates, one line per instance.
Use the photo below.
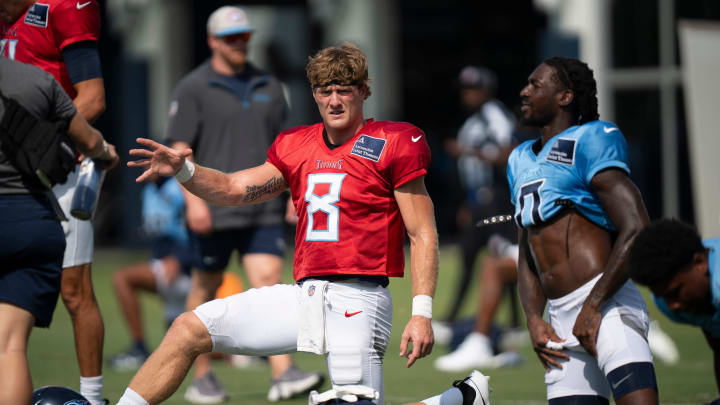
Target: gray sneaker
(127, 361)
(206, 390)
(293, 382)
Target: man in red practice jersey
(60, 37)
(357, 186)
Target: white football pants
(265, 321)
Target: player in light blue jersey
(683, 273)
(578, 212)
(560, 175)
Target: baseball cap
(228, 20)
(477, 77)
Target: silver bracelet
(186, 172)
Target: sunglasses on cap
(243, 36)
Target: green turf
(52, 354)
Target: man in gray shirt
(32, 241)
(228, 111)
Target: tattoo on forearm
(272, 186)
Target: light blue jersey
(562, 171)
(709, 323)
(163, 211)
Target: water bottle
(87, 189)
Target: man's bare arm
(90, 142)
(626, 209)
(90, 99)
(197, 211)
(532, 297)
(250, 186)
(418, 214)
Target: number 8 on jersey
(324, 203)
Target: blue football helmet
(55, 395)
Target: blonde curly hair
(343, 64)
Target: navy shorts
(32, 244)
(212, 252)
(164, 247)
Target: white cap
(228, 20)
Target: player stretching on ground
(683, 273)
(60, 37)
(578, 212)
(357, 186)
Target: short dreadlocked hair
(578, 77)
(661, 250)
(344, 64)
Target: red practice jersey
(45, 29)
(349, 221)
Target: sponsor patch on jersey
(562, 152)
(368, 147)
(37, 15)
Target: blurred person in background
(167, 273)
(229, 111)
(577, 213)
(482, 147)
(31, 237)
(60, 37)
(499, 270)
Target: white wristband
(186, 172)
(422, 305)
(102, 154)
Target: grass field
(52, 354)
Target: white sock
(481, 337)
(453, 396)
(131, 397)
(91, 389)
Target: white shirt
(489, 129)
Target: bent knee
(120, 280)
(188, 331)
(77, 299)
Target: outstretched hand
(159, 160)
(420, 333)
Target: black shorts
(164, 247)
(212, 252)
(32, 244)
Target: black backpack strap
(35, 145)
